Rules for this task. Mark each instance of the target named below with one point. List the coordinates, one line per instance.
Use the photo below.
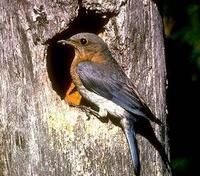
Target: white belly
(105, 105)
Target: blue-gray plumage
(109, 81)
(99, 78)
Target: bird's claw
(88, 111)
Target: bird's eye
(83, 41)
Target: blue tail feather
(132, 142)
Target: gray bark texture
(40, 134)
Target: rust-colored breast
(72, 95)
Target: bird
(99, 79)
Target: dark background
(182, 42)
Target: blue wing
(113, 85)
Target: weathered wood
(39, 133)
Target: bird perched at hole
(98, 78)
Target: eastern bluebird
(98, 78)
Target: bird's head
(86, 43)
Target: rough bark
(39, 133)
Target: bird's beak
(66, 42)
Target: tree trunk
(40, 133)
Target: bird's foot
(88, 111)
